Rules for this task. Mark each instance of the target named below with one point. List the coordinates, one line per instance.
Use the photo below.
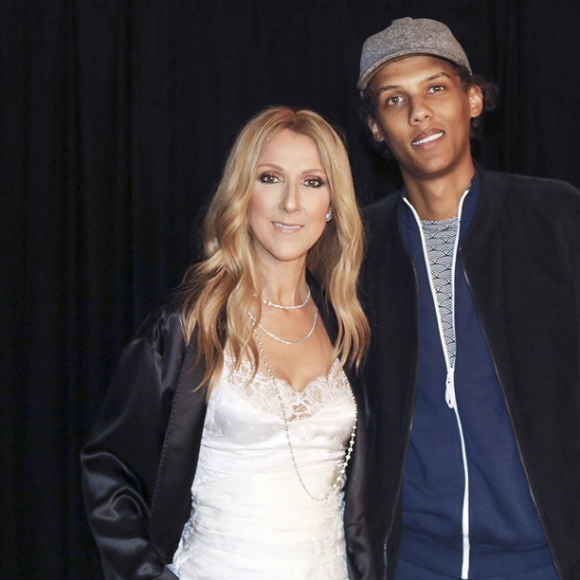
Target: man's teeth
(428, 139)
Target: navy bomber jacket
(521, 258)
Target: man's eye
(314, 182)
(394, 100)
(436, 89)
(268, 178)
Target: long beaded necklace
(348, 453)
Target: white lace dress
(251, 518)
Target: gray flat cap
(406, 37)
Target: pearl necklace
(295, 307)
(348, 452)
(279, 338)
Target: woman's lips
(286, 227)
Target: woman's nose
(291, 197)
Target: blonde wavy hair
(218, 291)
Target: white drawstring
(450, 388)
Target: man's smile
(424, 138)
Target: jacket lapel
(172, 500)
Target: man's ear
(475, 97)
(375, 129)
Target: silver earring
(328, 216)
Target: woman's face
(290, 199)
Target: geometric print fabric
(440, 238)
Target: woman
(223, 442)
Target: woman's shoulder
(163, 324)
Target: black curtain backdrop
(115, 119)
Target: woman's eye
(314, 182)
(436, 89)
(268, 178)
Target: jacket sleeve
(358, 543)
(120, 460)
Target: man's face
(423, 113)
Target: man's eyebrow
(436, 76)
(387, 88)
(427, 80)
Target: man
(472, 286)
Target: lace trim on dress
(321, 391)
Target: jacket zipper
(450, 395)
(510, 415)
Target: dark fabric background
(115, 119)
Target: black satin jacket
(140, 460)
(521, 258)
